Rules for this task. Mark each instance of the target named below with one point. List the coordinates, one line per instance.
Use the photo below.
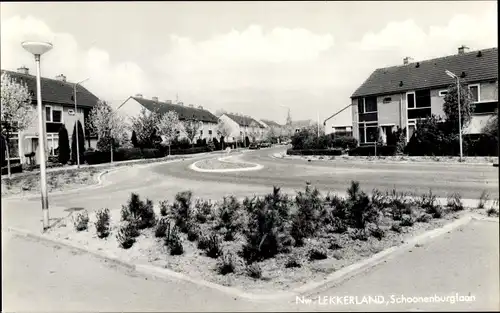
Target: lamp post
(459, 110)
(37, 49)
(76, 123)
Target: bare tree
(223, 130)
(191, 128)
(168, 126)
(17, 111)
(108, 125)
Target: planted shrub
(396, 227)
(203, 211)
(126, 235)
(334, 245)
(361, 210)
(428, 202)
(139, 212)
(359, 234)
(492, 212)
(378, 233)
(162, 228)
(102, 223)
(193, 233)
(226, 264)
(254, 270)
(306, 221)
(455, 202)
(266, 233)
(407, 221)
(424, 218)
(174, 243)
(81, 221)
(203, 242)
(214, 246)
(293, 262)
(181, 210)
(483, 199)
(164, 208)
(229, 218)
(317, 254)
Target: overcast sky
(248, 57)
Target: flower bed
(260, 245)
(56, 181)
(215, 164)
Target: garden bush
(102, 223)
(314, 152)
(361, 208)
(454, 202)
(226, 263)
(162, 228)
(230, 218)
(254, 271)
(317, 253)
(165, 208)
(182, 210)
(213, 247)
(190, 150)
(203, 211)
(306, 221)
(126, 235)
(81, 221)
(293, 262)
(139, 212)
(266, 233)
(344, 142)
(174, 242)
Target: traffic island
(264, 247)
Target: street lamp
(76, 123)
(37, 49)
(459, 110)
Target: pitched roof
(243, 120)
(55, 91)
(184, 112)
(271, 123)
(431, 73)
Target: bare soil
(56, 181)
(276, 277)
(215, 164)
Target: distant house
(268, 125)
(59, 109)
(399, 95)
(339, 123)
(302, 124)
(242, 126)
(133, 106)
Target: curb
(100, 180)
(308, 289)
(382, 161)
(256, 167)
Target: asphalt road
(43, 278)
(335, 176)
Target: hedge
(314, 151)
(370, 151)
(190, 150)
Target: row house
(59, 109)
(400, 95)
(242, 126)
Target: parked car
(265, 144)
(254, 145)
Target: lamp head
(451, 74)
(36, 47)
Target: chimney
(407, 60)
(462, 49)
(138, 95)
(155, 99)
(23, 70)
(168, 101)
(61, 78)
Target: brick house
(399, 95)
(133, 105)
(59, 108)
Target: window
(53, 116)
(13, 147)
(419, 104)
(412, 126)
(201, 132)
(474, 90)
(387, 99)
(487, 107)
(368, 132)
(53, 143)
(443, 93)
(367, 109)
(210, 132)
